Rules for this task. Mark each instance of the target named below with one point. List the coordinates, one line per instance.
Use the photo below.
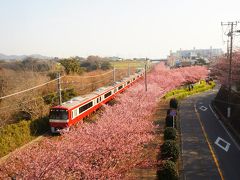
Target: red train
(73, 111)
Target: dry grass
(124, 64)
(32, 101)
(15, 81)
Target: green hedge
(184, 91)
(169, 121)
(170, 150)
(168, 171)
(170, 133)
(173, 103)
(15, 135)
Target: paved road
(203, 138)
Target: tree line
(76, 65)
(72, 65)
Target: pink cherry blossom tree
(220, 68)
(109, 147)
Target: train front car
(58, 119)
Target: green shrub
(39, 126)
(168, 171)
(49, 99)
(170, 133)
(173, 103)
(68, 94)
(54, 97)
(72, 66)
(174, 92)
(52, 75)
(18, 116)
(169, 121)
(212, 84)
(181, 96)
(15, 135)
(184, 92)
(170, 150)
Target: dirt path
(148, 170)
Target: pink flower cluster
(220, 68)
(107, 148)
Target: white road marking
(220, 122)
(213, 111)
(227, 144)
(203, 108)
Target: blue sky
(125, 28)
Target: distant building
(139, 59)
(191, 56)
(115, 58)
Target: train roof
(117, 83)
(101, 90)
(76, 101)
(128, 78)
(81, 99)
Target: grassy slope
(124, 64)
(184, 91)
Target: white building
(192, 55)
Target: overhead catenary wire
(35, 87)
(26, 90)
(92, 76)
(16, 106)
(90, 84)
(71, 82)
(28, 101)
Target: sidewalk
(197, 159)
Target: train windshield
(59, 114)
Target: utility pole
(59, 89)
(114, 74)
(146, 75)
(229, 57)
(128, 70)
(230, 72)
(228, 49)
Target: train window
(85, 107)
(100, 98)
(128, 82)
(120, 87)
(74, 113)
(59, 114)
(133, 79)
(107, 94)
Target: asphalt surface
(205, 137)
